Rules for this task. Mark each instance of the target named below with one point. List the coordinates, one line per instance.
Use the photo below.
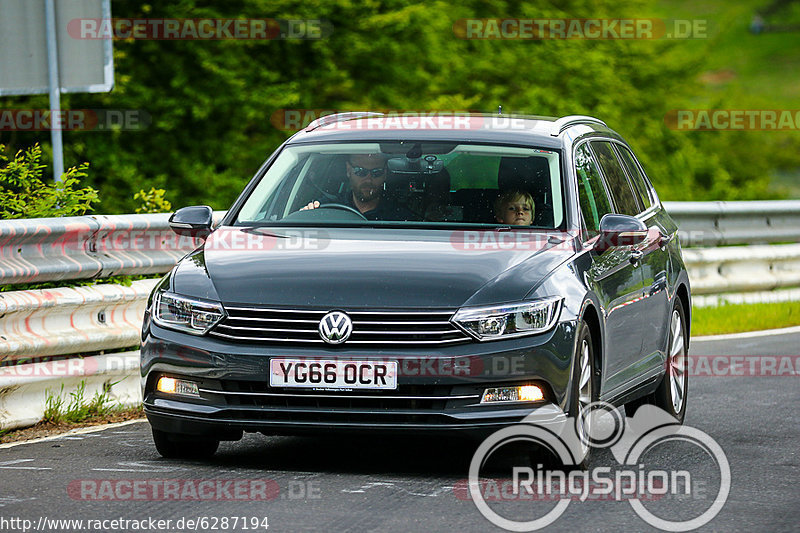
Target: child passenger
(515, 208)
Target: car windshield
(410, 184)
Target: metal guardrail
(724, 223)
(43, 331)
(743, 268)
(39, 250)
(64, 321)
(24, 389)
(752, 273)
(56, 249)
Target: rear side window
(619, 186)
(591, 192)
(642, 188)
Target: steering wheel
(326, 194)
(343, 208)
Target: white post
(55, 90)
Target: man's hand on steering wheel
(311, 205)
(315, 204)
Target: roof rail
(339, 117)
(565, 122)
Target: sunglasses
(374, 172)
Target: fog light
(524, 393)
(177, 386)
(530, 393)
(166, 384)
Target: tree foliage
(211, 101)
(152, 201)
(23, 194)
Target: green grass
(75, 409)
(756, 66)
(736, 318)
(741, 70)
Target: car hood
(368, 267)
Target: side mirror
(620, 230)
(194, 221)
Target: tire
(582, 393)
(671, 394)
(584, 390)
(172, 446)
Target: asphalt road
(413, 484)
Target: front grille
(258, 394)
(407, 404)
(372, 328)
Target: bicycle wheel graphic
(520, 432)
(694, 436)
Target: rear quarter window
(619, 186)
(643, 189)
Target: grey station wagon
(446, 273)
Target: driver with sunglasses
(366, 174)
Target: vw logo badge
(335, 327)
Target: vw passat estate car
(420, 274)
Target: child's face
(517, 212)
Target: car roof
(544, 131)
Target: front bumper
(439, 389)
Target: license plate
(332, 374)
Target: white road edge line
(747, 334)
(76, 431)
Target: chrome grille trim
(269, 310)
(381, 327)
(256, 319)
(314, 331)
(349, 341)
(321, 313)
(405, 323)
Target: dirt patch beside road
(47, 429)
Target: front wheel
(671, 393)
(584, 392)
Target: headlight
(507, 321)
(186, 314)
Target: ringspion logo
(629, 441)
